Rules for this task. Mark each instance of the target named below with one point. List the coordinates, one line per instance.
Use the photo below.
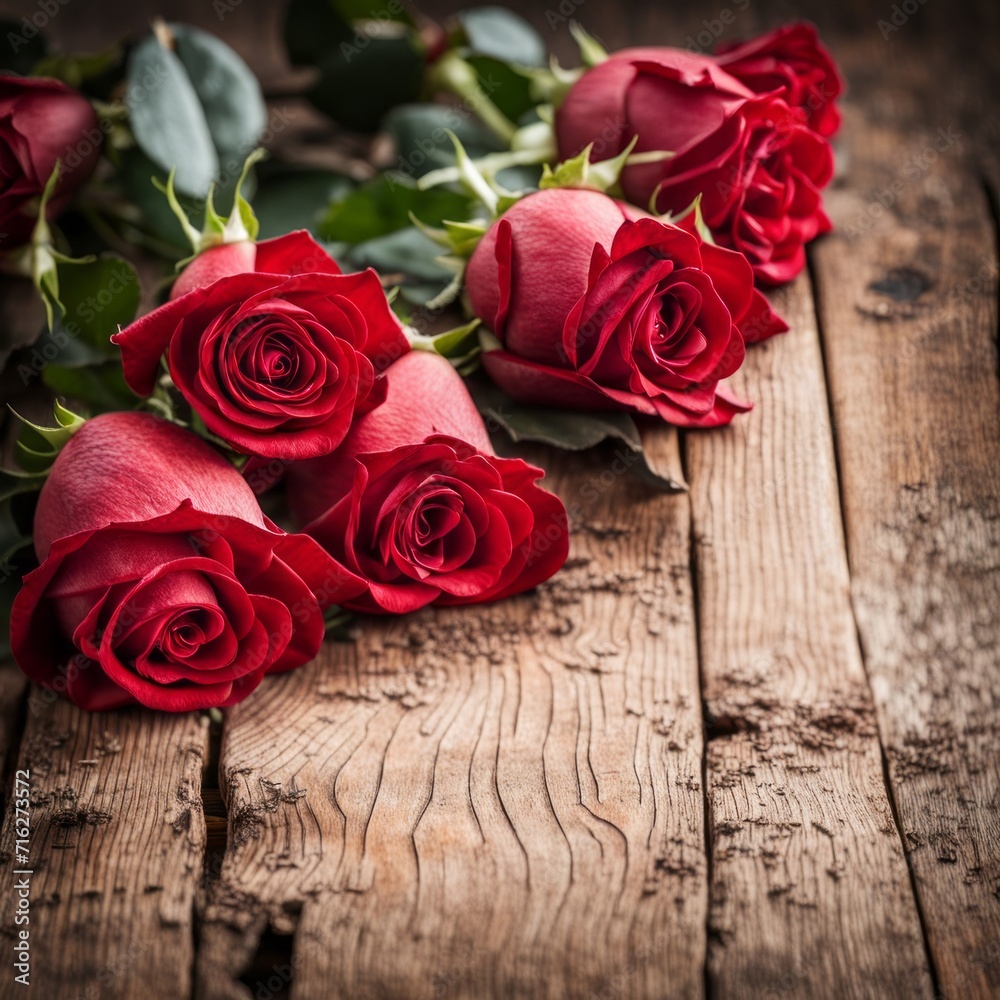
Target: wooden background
(745, 745)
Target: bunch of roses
(596, 303)
(162, 582)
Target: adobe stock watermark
(69, 330)
(713, 30)
(912, 170)
(899, 14)
(38, 21)
(454, 117)
(565, 12)
(278, 120)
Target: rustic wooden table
(745, 745)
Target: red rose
(41, 121)
(600, 307)
(416, 502)
(790, 60)
(161, 582)
(756, 164)
(272, 346)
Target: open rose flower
(161, 582)
(757, 166)
(41, 121)
(792, 61)
(416, 502)
(599, 307)
(274, 348)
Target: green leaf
(101, 386)
(193, 104)
(421, 131)
(291, 198)
(98, 296)
(502, 35)
(364, 76)
(522, 179)
(509, 89)
(383, 205)
(136, 173)
(167, 118)
(24, 45)
(407, 251)
(570, 430)
(227, 90)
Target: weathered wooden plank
(499, 803)
(809, 895)
(908, 303)
(116, 845)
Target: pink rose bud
(161, 582)
(41, 121)
(598, 306)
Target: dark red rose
(791, 61)
(161, 582)
(599, 307)
(416, 502)
(272, 346)
(753, 160)
(41, 121)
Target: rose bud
(161, 582)
(41, 121)
(272, 346)
(598, 307)
(417, 503)
(753, 160)
(792, 61)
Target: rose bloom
(598, 307)
(792, 61)
(752, 158)
(273, 347)
(41, 121)
(416, 502)
(161, 582)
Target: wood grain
(810, 895)
(909, 313)
(505, 803)
(116, 845)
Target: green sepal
(37, 447)
(591, 51)
(240, 225)
(700, 226)
(459, 345)
(581, 172)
